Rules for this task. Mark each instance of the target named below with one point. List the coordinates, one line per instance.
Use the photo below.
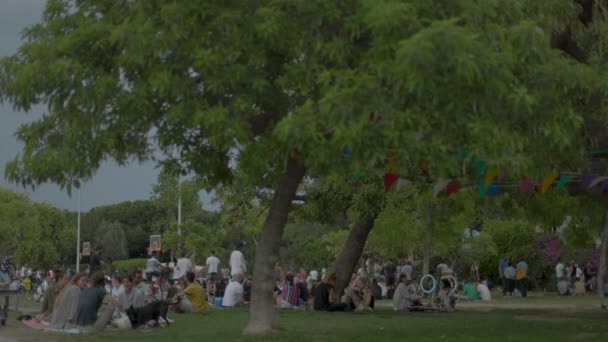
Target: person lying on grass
(67, 303)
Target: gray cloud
(112, 183)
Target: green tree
(270, 86)
(35, 234)
(139, 220)
(112, 238)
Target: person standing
(152, 267)
(509, 274)
(237, 260)
(183, 265)
(559, 269)
(212, 268)
(502, 265)
(96, 262)
(559, 274)
(474, 275)
(521, 277)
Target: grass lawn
(580, 319)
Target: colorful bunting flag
(440, 185)
(563, 180)
(525, 185)
(422, 167)
(490, 176)
(548, 181)
(389, 180)
(493, 190)
(401, 183)
(586, 180)
(452, 188)
(483, 188)
(597, 181)
(481, 167)
(463, 154)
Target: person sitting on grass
(234, 292)
(446, 297)
(90, 301)
(131, 296)
(60, 280)
(469, 292)
(67, 303)
(324, 296)
(405, 296)
(138, 283)
(290, 293)
(193, 295)
(358, 295)
(484, 291)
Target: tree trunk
(353, 247)
(428, 242)
(262, 312)
(601, 271)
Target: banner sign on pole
(155, 245)
(86, 249)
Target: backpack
(520, 274)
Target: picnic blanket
(32, 323)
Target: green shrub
(129, 265)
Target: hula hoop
(432, 280)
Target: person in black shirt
(95, 263)
(323, 295)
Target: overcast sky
(111, 184)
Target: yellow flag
(548, 181)
(490, 175)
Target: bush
(129, 265)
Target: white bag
(122, 322)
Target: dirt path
(489, 306)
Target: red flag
(452, 188)
(389, 180)
(525, 185)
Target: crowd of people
(74, 300)
(574, 280)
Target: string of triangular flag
(492, 179)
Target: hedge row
(129, 265)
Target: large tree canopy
(265, 87)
